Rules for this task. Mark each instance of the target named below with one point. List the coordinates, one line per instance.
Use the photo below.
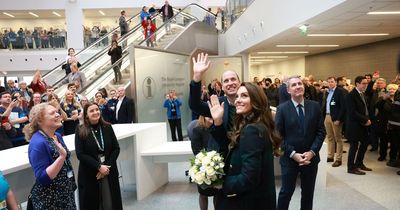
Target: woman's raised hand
(216, 109)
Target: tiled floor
(378, 190)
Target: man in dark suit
(300, 124)
(167, 13)
(357, 123)
(125, 108)
(333, 109)
(230, 85)
(283, 94)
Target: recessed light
(56, 14)
(289, 52)
(305, 45)
(384, 13)
(8, 14)
(33, 14)
(102, 13)
(379, 34)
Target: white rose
(206, 160)
(200, 156)
(208, 182)
(210, 171)
(216, 167)
(197, 161)
(198, 178)
(211, 154)
(212, 163)
(221, 165)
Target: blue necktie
(301, 116)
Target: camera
(14, 98)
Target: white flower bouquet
(207, 169)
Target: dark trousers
(357, 147)
(383, 142)
(175, 126)
(308, 175)
(117, 72)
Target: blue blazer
(200, 107)
(288, 125)
(168, 105)
(337, 105)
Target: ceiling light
(305, 45)
(381, 34)
(33, 14)
(102, 13)
(384, 13)
(289, 52)
(56, 14)
(8, 14)
(277, 56)
(262, 60)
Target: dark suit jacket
(89, 162)
(126, 112)
(170, 12)
(249, 183)
(288, 125)
(200, 107)
(283, 94)
(337, 105)
(356, 116)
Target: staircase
(163, 42)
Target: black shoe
(364, 168)
(381, 158)
(398, 173)
(337, 163)
(344, 151)
(355, 171)
(393, 163)
(329, 160)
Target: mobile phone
(14, 98)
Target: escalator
(99, 71)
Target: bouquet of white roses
(207, 169)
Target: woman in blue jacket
(173, 104)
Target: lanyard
(51, 140)
(101, 148)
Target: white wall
(266, 18)
(284, 68)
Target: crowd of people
(37, 38)
(237, 124)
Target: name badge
(3, 204)
(102, 159)
(333, 103)
(70, 174)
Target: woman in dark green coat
(249, 183)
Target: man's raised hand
(200, 66)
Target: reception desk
(146, 174)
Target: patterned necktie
(365, 103)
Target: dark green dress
(249, 183)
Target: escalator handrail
(103, 51)
(90, 46)
(124, 55)
(179, 13)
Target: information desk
(133, 138)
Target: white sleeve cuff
(291, 154)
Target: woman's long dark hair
(260, 114)
(84, 129)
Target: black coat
(356, 116)
(126, 113)
(88, 185)
(115, 54)
(249, 183)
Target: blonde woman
(73, 110)
(50, 160)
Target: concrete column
(74, 19)
(246, 67)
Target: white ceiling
(348, 17)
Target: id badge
(70, 174)
(102, 159)
(3, 204)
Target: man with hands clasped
(300, 124)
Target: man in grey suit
(300, 124)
